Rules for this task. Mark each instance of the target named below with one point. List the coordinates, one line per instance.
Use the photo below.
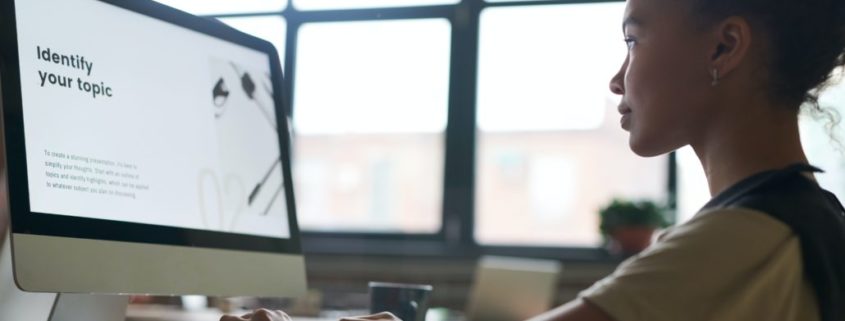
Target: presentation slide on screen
(129, 118)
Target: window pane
(355, 4)
(208, 7)
(826, 148)
(370, 109)
(270, 28)
(558, 76)
(515, 0)
(551, 152)
(693, 190)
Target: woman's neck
(748, 143)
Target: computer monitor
(147, 152)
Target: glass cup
(409, 302)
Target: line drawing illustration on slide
(220, 93)
(249, 188)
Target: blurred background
(428, 133)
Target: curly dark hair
(806, 40)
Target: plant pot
(630, 239)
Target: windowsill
(433, 249)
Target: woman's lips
(625, 122)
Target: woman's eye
(630, 42)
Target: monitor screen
(153, 138)
(181, 133)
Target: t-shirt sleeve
(691, 269)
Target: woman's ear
(732, 42)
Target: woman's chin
(647, 147)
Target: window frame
(456, 236)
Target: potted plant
(628, 226)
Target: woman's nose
(617, 85)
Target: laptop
(512, 289)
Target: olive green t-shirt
(724, 264)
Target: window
(506, 105)
(825, 145)
(693, 191)
(557, 79)
(271, 28)
(550, 144)
(370, 103)
(356, 4)
(209, 7)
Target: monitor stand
(19, 305)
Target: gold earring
(715, 75)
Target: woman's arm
(276, 315)
(578, 310)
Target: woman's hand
(259, 315)
(384, 316)
(276, 315)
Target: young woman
(728, 77)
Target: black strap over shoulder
(815, 215)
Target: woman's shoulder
(734, 217)
(736, 251)
(741, 229)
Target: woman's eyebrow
(630, 21)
